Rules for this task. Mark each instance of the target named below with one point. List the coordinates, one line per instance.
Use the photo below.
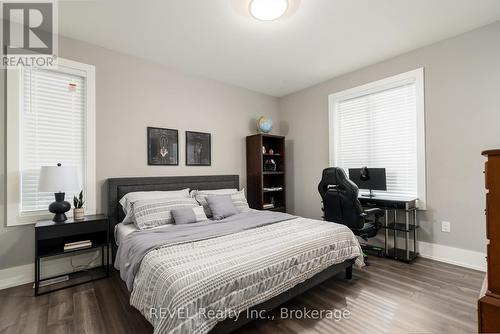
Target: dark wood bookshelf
(258, 178)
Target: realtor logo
(28, 33)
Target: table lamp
(58, 179)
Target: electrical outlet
(445, 226)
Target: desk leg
(395, 235)
(415, 221)
(386, 231)
(407, 233)
(37, 274)
(107, 259)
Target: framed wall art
(198, 149)
(163, 147)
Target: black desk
(399, 209)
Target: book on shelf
(77, 245)
(268, 206)
(273, 189)
(77, 242)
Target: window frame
(415, 76)
(14, 97)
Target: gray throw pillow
(222, 206)
(188, 215)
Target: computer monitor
(369, 178)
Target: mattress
(122, 230)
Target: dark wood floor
(386, 297)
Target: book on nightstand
(77, 245)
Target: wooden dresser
(489, 300)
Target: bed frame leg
(348, 272)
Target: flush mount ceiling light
(268, 10)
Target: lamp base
(59, 208)
(59, 218)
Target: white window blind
(52, 130)
(378, 125)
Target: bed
(257, 261)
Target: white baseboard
(23, 274)
(447, 254)
(15, 276)
(452, 255)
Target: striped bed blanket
(189, 286)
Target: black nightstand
(51, 237)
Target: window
(50, 120)
(381, 125)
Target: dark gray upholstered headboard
(118, 187)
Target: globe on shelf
(264, 124)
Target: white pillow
(151, 213)
(238, 198)
(193, 193)
(240, 201)
(127, 200)
(201, 197)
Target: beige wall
(131, 95)
(462, 99)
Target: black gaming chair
(341, 205)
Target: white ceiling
(315, 41)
